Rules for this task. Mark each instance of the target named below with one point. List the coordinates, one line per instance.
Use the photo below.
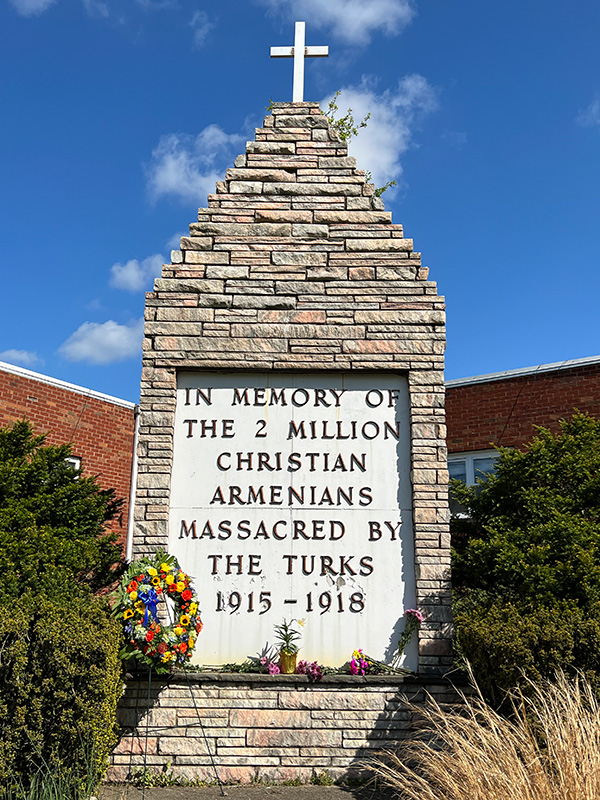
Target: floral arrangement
(159, 640)
(412, 622)
(362, 664)
(359, 663)
(312, 670)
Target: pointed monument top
(299, 52)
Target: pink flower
(273, 669)
(413, 612)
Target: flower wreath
(160, 641)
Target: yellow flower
(152, 571)
(156, 580)
(193, 608)
(301, 622)
(128, 613)
(169, 579)
(180, 576)
(133, 596)
(180, 586)
(184, 620)
(140, 607)
(191, 642)
(178, 631)
(165, 568)
(167, 656)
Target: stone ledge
(329, 681)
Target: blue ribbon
(150, 600)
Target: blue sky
(118, 116)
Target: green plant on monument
(347, 128)
(288, 649)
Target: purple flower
(273, 669)
(264, 661)
(312, 670)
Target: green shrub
(60, 680)
(526, 562)
(52, 521)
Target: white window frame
(73, 461)
(469, 459)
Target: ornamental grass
(549, 749)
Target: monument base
(264, 728)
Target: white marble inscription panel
(291, 498)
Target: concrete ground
(245, 793)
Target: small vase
(287, 662)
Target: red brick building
(503, 408)
(100, 428)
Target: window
(468, 467)
(73, 461)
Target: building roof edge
(558, 366)
(71, 387)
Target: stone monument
(292, 440)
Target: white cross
(299, 52)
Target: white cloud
(31, 8)
(104, 343)
(389, 132)
(134, 275)
(201, 26)
(590, 116)
(25, 358)
(156, 5)
(188, 167)
(456, 139)
(175, 241)
(352, 21)
(96, 8)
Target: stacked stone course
(267, 728)
(295, 265)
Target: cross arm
(316, 52)
(282, 52)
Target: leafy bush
(526, 562)
(60, 679)
(52, 520)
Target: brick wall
(504, 412)
(100, 431)
(266, 728)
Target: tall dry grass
(548, 750)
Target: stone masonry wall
(295, 265)
(266, 728)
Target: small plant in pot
(288, 649)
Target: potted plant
(288, 649)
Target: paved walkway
(245, 793)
